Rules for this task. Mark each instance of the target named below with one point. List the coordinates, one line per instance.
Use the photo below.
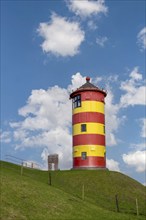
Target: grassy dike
(30, 197)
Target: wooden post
(21, 168)
(117, 203)
(137, 211)
(83, 192)
(50, 180)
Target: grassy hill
(73, 195)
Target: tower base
(90, 168)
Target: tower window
(77, 101)
(84, 155)
(83, 127)
(104, 129)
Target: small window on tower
(104, 129)
(84, 155)
(76, 101)
(83, 127)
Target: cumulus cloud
(87, 8)
(46, 105)
(141, 39)
(47, 122)
(5, 136)
(101, 41)
(61, 36)
(112, 165)
(134, 95)
(112, 120)
(76, 81)
(136, 159)
(112, 109)
(134, 90)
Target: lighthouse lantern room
(88, 126)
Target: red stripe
(88, 117)
(95, 162)
(87, 139)
(92, 95)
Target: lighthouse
(88, 127)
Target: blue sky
(47, 50)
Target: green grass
(30, 197)
(100, 188)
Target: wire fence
(121, 204)
(20, 161)
(25, 168)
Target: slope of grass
(101, 187)
(29, 197)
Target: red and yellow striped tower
(88, 125)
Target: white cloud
(44, 154)
(139, 146)
(141, 38)
(76, 81)
(143, 127)
(44, 109)
(61, 36)
(19, 134)
(87, 8)
(92, 25)
(136, 159)
(101, 41)
(135, 75)
(112, 121)
(134, 95)
(134, 90)
(5, 136)
(98, 79)
(112, 165)
(112, 109)
(47, 122)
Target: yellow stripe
(91, 128)
(90, 106)
(92, 150)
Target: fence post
(117, 203)
(83, 192)
(50, 179)
(21, 168)
(137, 211)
